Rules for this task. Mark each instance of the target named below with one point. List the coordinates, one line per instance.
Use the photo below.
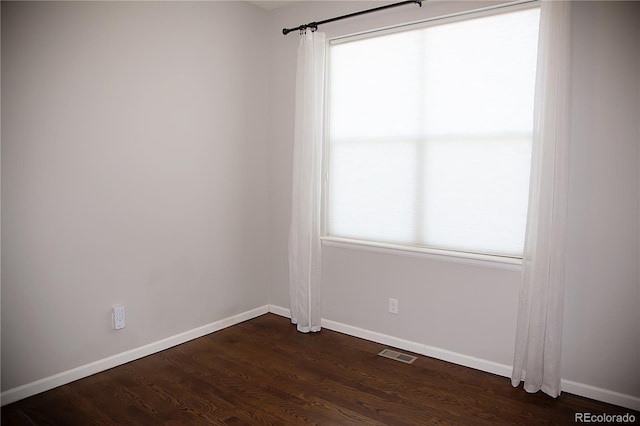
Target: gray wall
(469, 309)
(134, 172)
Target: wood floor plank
(263, 372)
(235, 386)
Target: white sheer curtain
(539, 328)
(304, 231)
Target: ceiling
(270, 5)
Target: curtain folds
(304, 230)
(539, 327)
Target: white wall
(472, 310)
(601, 344)
(134, 172)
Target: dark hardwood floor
(264, 372)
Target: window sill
(482, 260)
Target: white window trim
(476, 259)
(439, 20)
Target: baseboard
(42, 385)
(278, 310)
(580, 389)
(599, 394)
(430, 351)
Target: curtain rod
(314, 25)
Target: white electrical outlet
(118, 317)
(393, 306)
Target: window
(429, 135)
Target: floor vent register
(398, 356)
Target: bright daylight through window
(429, 135)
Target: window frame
(479, 259)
